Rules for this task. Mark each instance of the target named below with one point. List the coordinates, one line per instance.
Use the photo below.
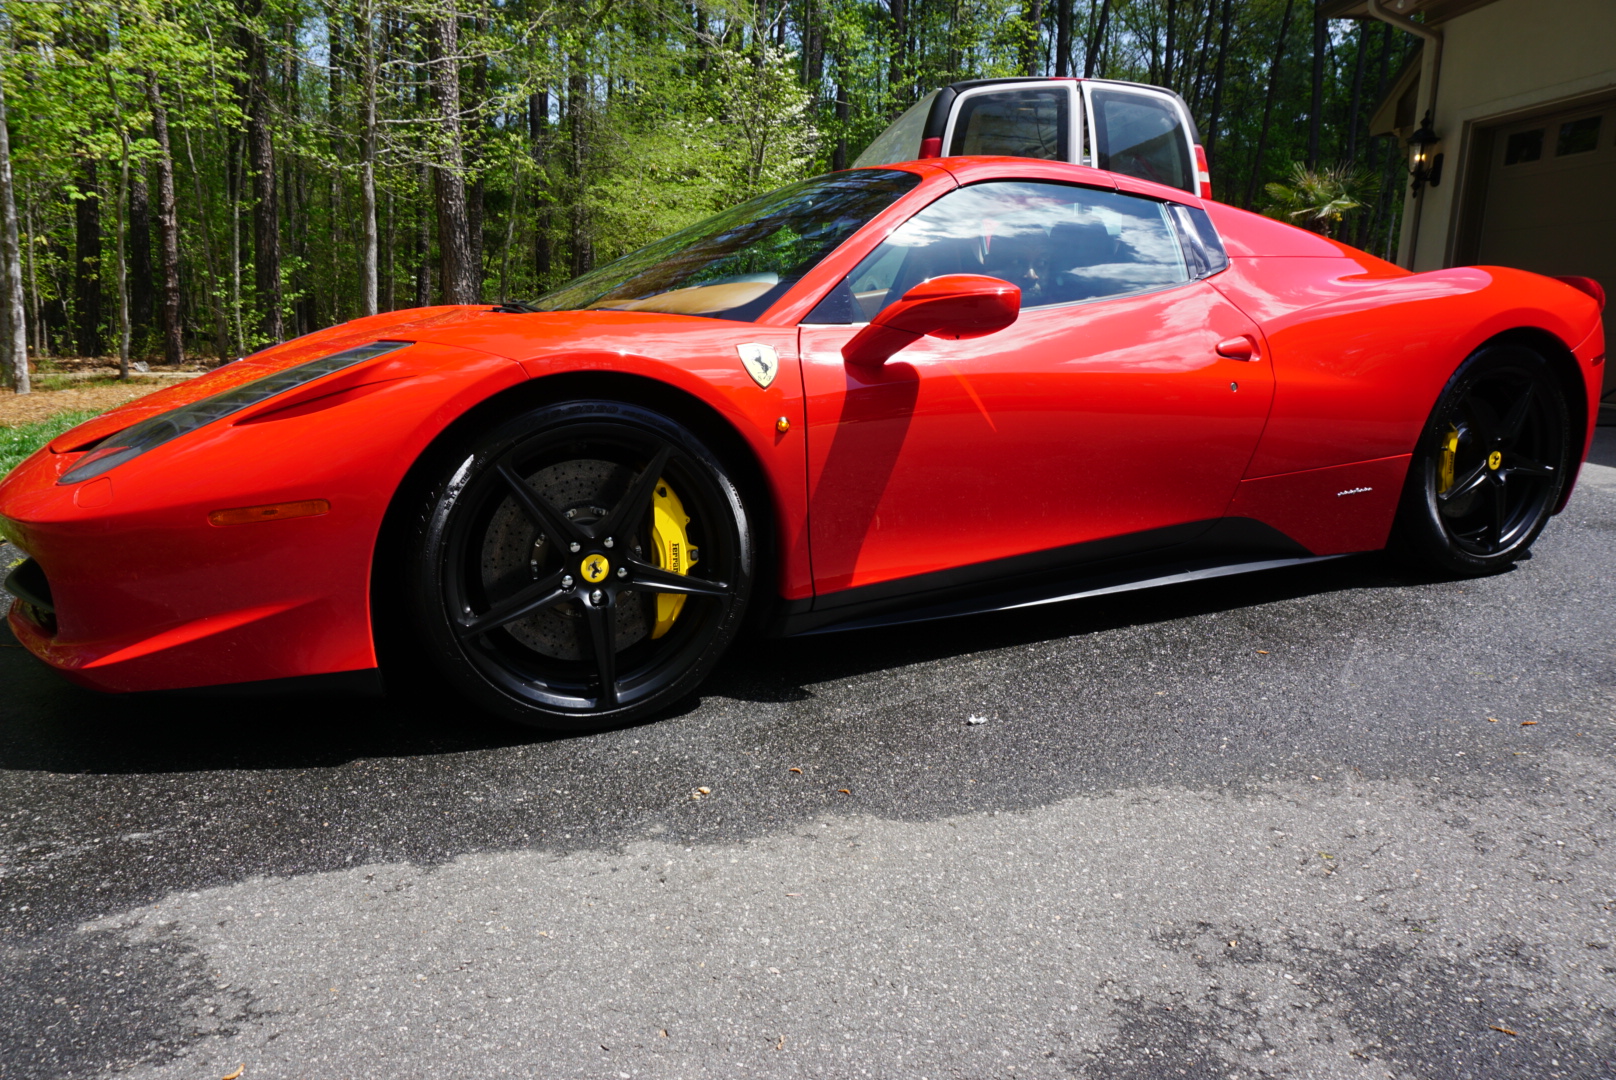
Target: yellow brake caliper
(671, 547)
(1444, 465)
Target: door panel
(1079, 422)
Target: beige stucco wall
(1502, 58)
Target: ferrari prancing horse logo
(760, 361)
(596, 568)
(1494, 460)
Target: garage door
(1551, 197)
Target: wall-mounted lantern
(1424, 163)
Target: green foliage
(1318, 199)
(17, 442)
(585, 130)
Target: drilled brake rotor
(515, 554)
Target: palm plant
(1318, 199)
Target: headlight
(131, 442)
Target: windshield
(734, 265)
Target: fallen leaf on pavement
(239, 1070)
(664, 1033)
(1505, 1030)
(843, 791)
(1492, 719)
(705, 790)
(1262, 652)
(1527, 723)
(781, 1045)
(794, 770)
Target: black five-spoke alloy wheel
(582, 566)
(1490, 465)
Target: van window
(1141, 135)
(901, 141)
(1031, 122)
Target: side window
(1141, 135)
(1033, 122)
(1203, 248)
(1060, 244)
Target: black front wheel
(582, 566)
(1490, 465)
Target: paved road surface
(1327, 822)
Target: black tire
(511, 612)
(1489, 466)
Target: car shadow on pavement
(779, 670)
(53, 726)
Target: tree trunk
(1217, 84)
(1172, 29)
(368, 301)
(1268, 105)
(87, 260)
(814, 52)
(168, 231)
(454, 230)
(838, 159)
(387, 271)
(476, 194)
(1096, 39)
(583, 248)
(1032, 61)
(1357, 94)
(1315, 112)
(1063, 38)
(538, 129)
(120, 265)
(898, 48)
(13, 319)
(41, 340)
(266, 212)
(423, 240)
(221, 323)
(140, 254)
(238, 148)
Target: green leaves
(1318, 199)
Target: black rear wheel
(582, 566)
(1490, 464)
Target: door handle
(1238, 348)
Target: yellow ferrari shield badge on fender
(760, 361)
(1494, 459)
(596, 568)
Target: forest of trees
(198, 178)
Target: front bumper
(148, 594)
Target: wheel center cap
(595, 568)
(1495, 459)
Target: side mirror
(951, 307)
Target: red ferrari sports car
(882, 395)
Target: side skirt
(1098, 585)
(1194, 551)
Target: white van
(1123, 127)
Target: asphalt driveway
(1326, 822)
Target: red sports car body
(1140, 420)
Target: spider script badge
(760, 361)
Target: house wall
(1506, 57)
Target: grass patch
(18, 442)
(76, 382)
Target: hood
(413, 324)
